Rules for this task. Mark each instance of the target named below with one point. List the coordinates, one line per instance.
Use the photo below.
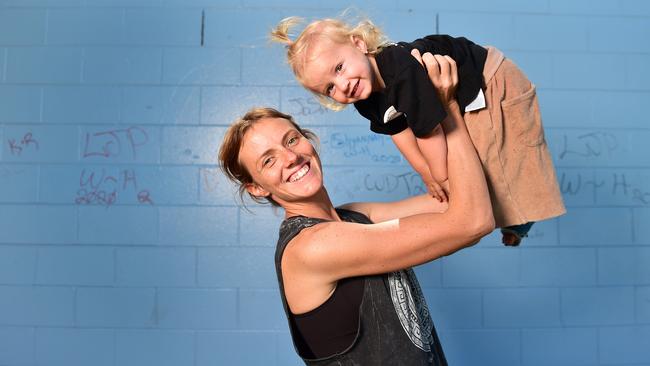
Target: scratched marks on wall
(356, 146)
(103, 186)
(605, 187)
(122, 165)
(28, 141)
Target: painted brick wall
(122, 244)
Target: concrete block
(123, 65)
(266, 66)
(642, 302)
(489, 347)
(191, 145)
(261, 309)
(216, 189)
(606, 34)
(479, 267)
(111, 144)
(22, 27)
(18, 345)
(307, 110)
(85, 26)
(69, 346)
(17, 266)
(82, 104)
(75, 266)
(116, 307)
(357, 146)
(198, 226)
(224, 105)
(36, 224)
(522, 307)
(562, 346)
(197, 308)
(202, 66)
(598, 306)
(589, 227)
(36, 306)
(19, 183)
(625, 344)
(623, 266)
(58, 65)
(19, 103)
(161, 105)
(551, 33)
(237, 267)
(558, 267)
(118, 225)
(230, 348)
(262, 220)
(496, 30)
(455, 308)
(641, 217)
(164, 26)
(155, 347)
(40, 143)
(430, 274)
(156, 266)
(577, 70)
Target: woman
(344, 273)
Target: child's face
(342, 72)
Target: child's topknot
(335, 30)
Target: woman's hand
(442, 72)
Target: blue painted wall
(122, 244)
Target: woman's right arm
(334, 250)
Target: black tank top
(332, 326)
(394, 327)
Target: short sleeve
(374, 109)
(415, 95)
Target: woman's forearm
(469, 195)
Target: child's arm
(407, 144)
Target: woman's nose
(290, 157)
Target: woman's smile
(299, 173)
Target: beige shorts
(509, 138)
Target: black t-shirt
(409, 90)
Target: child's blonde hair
(335, 30)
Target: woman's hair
(232, 143)
(336, 30)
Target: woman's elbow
(482, 226)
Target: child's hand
(436, 189)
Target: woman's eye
(292, 140)
(267, 161)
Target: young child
(344, 64)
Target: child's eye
(329, 90)
(267, 161)
(338, 68)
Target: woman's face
(281, 161)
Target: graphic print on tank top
(411, 308)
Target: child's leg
(516, 158)
(512, 235)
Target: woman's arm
(336, 250)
